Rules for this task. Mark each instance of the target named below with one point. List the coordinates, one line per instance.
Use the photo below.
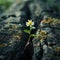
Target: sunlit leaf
(27, 31)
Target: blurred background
(5, 4)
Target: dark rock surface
(13, 22)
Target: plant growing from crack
(29, 24)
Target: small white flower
(29, 23)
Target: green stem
(28, 38)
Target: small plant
(29, 24)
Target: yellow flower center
(30, 22)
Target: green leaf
(33, 27)
(27, 31)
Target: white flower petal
(27, 24)
(32, 23)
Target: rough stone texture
(12, 47)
